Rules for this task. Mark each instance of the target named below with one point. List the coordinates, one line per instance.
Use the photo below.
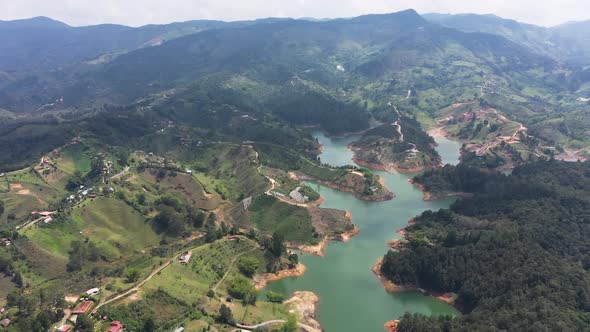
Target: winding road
(274, 321)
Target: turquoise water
(351, 297)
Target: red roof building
(116, 326)
(82, 308)
(65, 328)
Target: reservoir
(351, 297)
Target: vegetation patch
(293, 222)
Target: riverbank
(348, 263)
(429, 196)
(382, 195)
(304, 305)
(394, 166)
(261, 280)
(391, 287)
(392, 325)
(320, 248)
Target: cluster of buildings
(45, 216)
(45, 166)
(297, 196)
(84, 307)
(152, 160)
(82, 194)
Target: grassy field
(73, 159)
(207, 266)
(180, 185)
(115, 227)
(236, 168)
(4, 185)
(23, 199)
(322, 173)
(293, 222)
(6, 286)
(25, 175)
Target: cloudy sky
(140, 12)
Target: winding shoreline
(386, 196)
(391, 287)
(305, 304)
(320, 248)
(429, 196)
(397, 168)
(261, 280)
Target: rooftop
(83, 307)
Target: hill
(500, 251)
(567, 42)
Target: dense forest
(516, 253)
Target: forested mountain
(40, 43)
(516, 253)
(567, 42)
(341, 74)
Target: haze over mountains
(303, 71)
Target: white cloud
(139, 12)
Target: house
(5, 322)
(93, 195)
(180, 329)
(82, 308)
(44, 213)
(93, 291)
(47, 220)
(65, 328)
(116, 326)
(246, 203)
(185, 258)
(297, 196)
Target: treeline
(460, 178)
(516, 253)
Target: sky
(141, 12)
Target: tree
(149, 325)
(241, 287)
(141, 200)
(18, 280)
(1, 207)
(293, 260)
(225, 314)
(248, 265)
(290, 325)
(80, 254)
(275, 297)
(84, 324)
(277, 244)
(132, 275)
(169, 222)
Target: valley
(249, 175)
